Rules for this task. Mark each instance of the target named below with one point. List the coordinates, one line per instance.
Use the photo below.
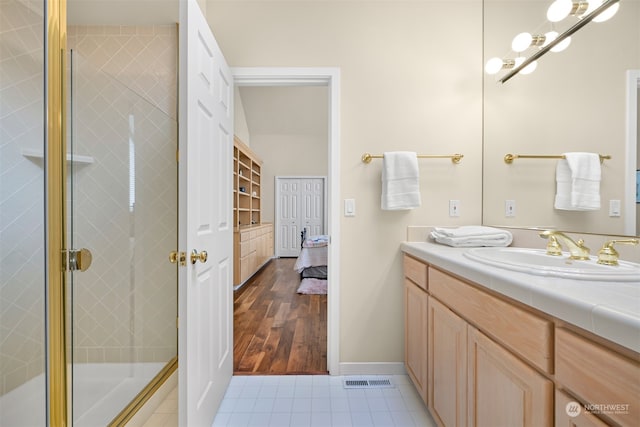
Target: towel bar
(455, 158)
(509, 158)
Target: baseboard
(372, 368)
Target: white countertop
(610, 310)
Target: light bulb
(562, 45)
(529, 68)
(593, 5)
(521, 42)
(608, 13)
(494, 65)
(551, 36)
(559, 10)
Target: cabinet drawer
(567, 414)
(599, 375)
(244, 236)
(244, 249)
(522, 332)
(415, 271)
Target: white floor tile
(312, 401)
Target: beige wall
(411, 79)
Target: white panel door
(312, 211)
(288, 221)
(300, 205)
(205, 285)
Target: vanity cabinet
(493, 361)
(503, 390)
(447, 365)
(476, 344)
(415, 301)
(600, 376)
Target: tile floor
(301, 401)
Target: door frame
(329, 77)
(629, 215)
(277, 205)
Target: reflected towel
(400, 181)
(470, 236)
(578, 182)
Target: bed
(312, 264)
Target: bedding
(311, 257)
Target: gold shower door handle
(80, 259)
(195, 256)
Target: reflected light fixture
(561, 9)
(524, 41)
(586, 11)
(494, 65)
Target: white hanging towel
(400, 181)
(578, 182)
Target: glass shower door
(123, 210)
(22, 214)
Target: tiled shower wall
(125, 197)
(21, 194)
(125, 92)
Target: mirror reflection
(583, 99)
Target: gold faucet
(577, 249)
(608, 254)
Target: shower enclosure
(120, 199)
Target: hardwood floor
(276, 330)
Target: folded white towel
(469, 236)
(400, 181)
(578, 182)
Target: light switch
(349, 207)
(614, 208)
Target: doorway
(330, 78)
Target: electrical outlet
(454, 208)
(509, 208)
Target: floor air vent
(368, 383)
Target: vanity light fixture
(602, 11)
(551, 36)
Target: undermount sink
(537, 262)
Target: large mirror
(583, 99)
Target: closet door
(288, 217)
(299, 205)
(312, 209)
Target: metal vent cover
(368, 383)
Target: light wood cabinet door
(416, 336)
(503, 390)
(569, 413)
(447, 365)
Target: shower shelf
(85, 160)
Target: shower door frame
(56, 176)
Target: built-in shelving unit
(252, 240)
(246, 186)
